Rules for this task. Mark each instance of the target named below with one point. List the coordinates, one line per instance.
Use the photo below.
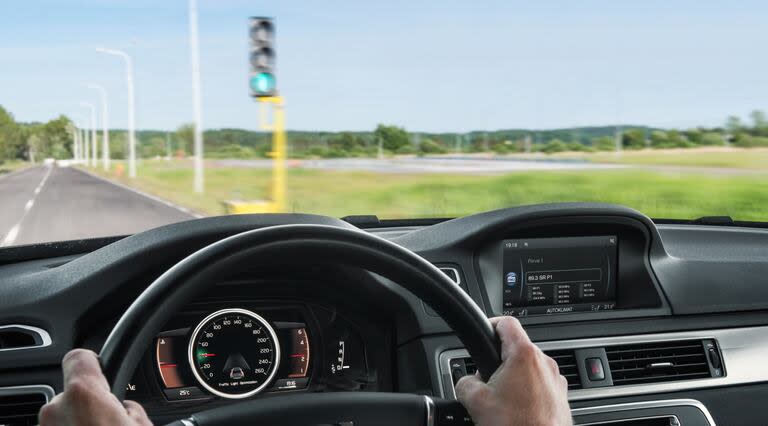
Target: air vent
(22, 337)
(566, 361)
(452, 273)
(19, 406)
(658, 362)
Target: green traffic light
(263, 83)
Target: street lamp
(84, 152)
(93, 131)
(131, 111)
(104, 125)
(75, 143)
(196, 102)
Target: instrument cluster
(228, 351)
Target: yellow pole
(279, 156)
(279, 150)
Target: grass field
(11, 166)
(336, 193)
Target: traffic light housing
(261, 35)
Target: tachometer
(234, 353)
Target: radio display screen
(559, 275)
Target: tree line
(54, 139)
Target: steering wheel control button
(451, 413)
(185, 393)
(595, 371)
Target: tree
(184, 136)
(12, 141)
(733, 124)
(56, 139)
(604, 143)
(429, 146)
(393, 138)
(633, 139)
(712, 138)
(759, 123)
(659, 139)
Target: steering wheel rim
(131, 336)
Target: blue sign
(511, 279)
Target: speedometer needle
(207, 355)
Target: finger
(511, 334)
(136, 413)
(472, 392)
(82, 364)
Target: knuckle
(528, 352)
(553, 364)
(479, 396)
(78, 388)
(47, 415)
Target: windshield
(120, 116)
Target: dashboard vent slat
(566, 361)
(657, 362)
(21, 409)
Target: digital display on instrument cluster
(559, 275)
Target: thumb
(473, 393)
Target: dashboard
(654, 320)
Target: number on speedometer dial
(234, 353)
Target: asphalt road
(49, 203)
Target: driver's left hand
(87, 400)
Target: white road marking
(11, 236)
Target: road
(49, 203)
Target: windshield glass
(120, 116)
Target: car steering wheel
(321, 243)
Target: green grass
(337, 193)
(11, 166)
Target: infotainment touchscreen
(559, 275)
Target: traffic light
(261, 33)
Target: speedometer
(234, 353)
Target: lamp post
(196, 102)
(104, 125)
(93, 131)
(131, 107)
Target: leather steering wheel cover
(307, 244)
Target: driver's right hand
(527, 389)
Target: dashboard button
(714, 358)
(182, 394)
(594, 367)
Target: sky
(437, 65)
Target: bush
(432, 147)
(604, 143)
(406, 149)
(712, 138)
(555, 145)
(747, 141)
